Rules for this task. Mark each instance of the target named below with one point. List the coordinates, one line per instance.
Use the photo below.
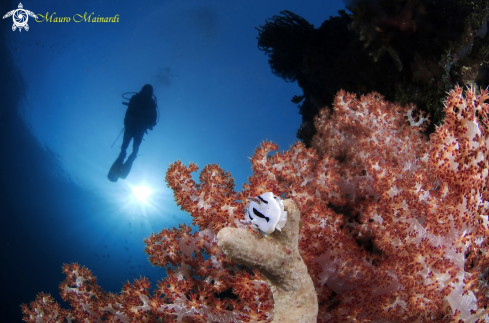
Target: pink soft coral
(394, 227)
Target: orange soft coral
(394, 227)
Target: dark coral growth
(284, 39)
(408, 50)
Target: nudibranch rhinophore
(266, 213)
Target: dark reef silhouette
(410, 51)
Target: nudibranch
(266, 213)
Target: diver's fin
(126, 167)
(114, 171)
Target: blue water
(61, 110)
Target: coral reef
(394, 228)
(408, 50)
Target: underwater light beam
(141, 193)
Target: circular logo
(20, 18)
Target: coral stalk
(278, 259)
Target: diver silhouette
(140, 116)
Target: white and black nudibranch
(266, 213)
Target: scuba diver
(140, 116)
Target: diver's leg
(138, 138)
(125, 142)
(126, 168)
(114, 172)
